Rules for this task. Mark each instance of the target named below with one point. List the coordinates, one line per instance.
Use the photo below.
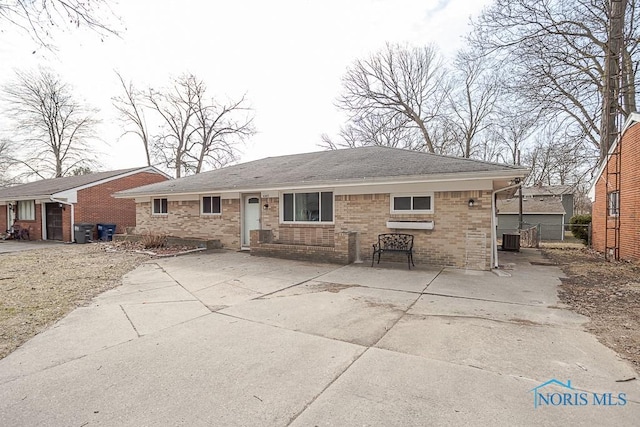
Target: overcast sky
(287, 56)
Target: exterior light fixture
(471, 203)
(265, 206)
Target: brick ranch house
(322, 206)
(619, 200)
(49, 208)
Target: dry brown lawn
(607, 292)
(41, 286)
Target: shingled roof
(354, 165)
(547, 190)
(47, 187)
(534, 205)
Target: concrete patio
(228, 339)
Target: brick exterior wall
(461, 237)
(35, 226)
(94, 205)
(343, 252)
(97, 205)
(184, 220)
(629, 199)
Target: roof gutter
(73, 217)
(494, 237)
(409, 179)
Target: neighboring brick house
(322, 206)
(49, 208)
(618, 202)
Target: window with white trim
(314, 206)
(160, 206)
(418, 203)
(614, 203)
(26, 210)
(210, 205)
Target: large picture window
(307, 207)
(211, 205)
(27, 210)
(160, 207)
(614, 203)
(420, 203)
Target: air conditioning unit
(511, 242)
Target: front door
(54, 221)
(251, 220)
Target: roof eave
(23, 198)
(632, 119)
(457, 176)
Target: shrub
(579, 227)
(154, 241)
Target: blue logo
(547, 394)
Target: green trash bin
(83, 232)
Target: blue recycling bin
(106, 232)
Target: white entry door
(251, 220)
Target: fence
(530, 237)
(532, 234)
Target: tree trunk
(611, 83)
(628, 84)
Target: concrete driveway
(229, 339)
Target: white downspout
(494, 237)
(43, 220)
(73, 215)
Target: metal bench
(394, 242)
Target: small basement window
(160, 207)
(613, 203)
(211, 205)
(419, 203)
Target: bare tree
(382, 130)
(220, 128)
(406, 86)
(176, 108)
(52, 130)
(131, 108)
(5, 164)
(197, 132)
(557, 157)
(571, 58)
(38, 18)
(513, 127)
(472, 100)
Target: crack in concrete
(482, 299)
(130, 321)
(513, 321)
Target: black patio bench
(394, 242)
